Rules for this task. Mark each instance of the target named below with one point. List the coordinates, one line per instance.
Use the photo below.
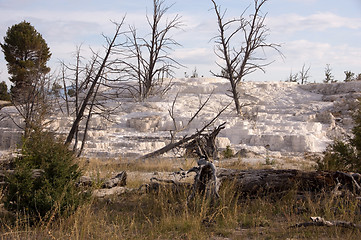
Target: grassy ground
(168, 215)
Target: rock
(244, 153)
(143, 124)
(222, 142)
(85, 181)
(101, 193)
(119, 180)
(325, 117)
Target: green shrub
(52, 192)
(228, 152)
(344, 155)
(4, 95)
(340, 156)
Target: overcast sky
(311, 32)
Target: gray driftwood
(268, 181)
(320, 222)
(205, 182)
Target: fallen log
(267, 181)
(321, 222)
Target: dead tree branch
(321, 222)
(185, 139)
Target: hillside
(285, 117)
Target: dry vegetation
(167, 215)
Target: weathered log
(320, 222)
(205, 180)
(262, 182)
(268, 181)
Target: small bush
(4, 95)
(50, 192)
(228, 153)
(344, 155)
(340, 156)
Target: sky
(311, 32)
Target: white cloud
(64, 29)
(289, 23)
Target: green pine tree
(4, 95)
(26, 53)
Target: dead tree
(304, 74)
(95, 77)
(148, 60)
(238, 44)
(321, 222)
(177, 129)
(34, 103)
(270, 183)
(79, 77)
(187, 139)
(205, 181)
(205, 144)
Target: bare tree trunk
(151, 57)
(65, 91)
(88, 121)
(268, 183)
(111, 45)
(205, 144)
(236, 97)
(240, 60)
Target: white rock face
(284, 117)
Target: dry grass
(139, 172)
(168, 215)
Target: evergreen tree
(4, 95)
(26, 53)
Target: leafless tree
(95, 74)
(34, 102)
(148, 61)
(293, 77)
(304, 74)
(329, 78)
(238, 44)
(79, 76)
